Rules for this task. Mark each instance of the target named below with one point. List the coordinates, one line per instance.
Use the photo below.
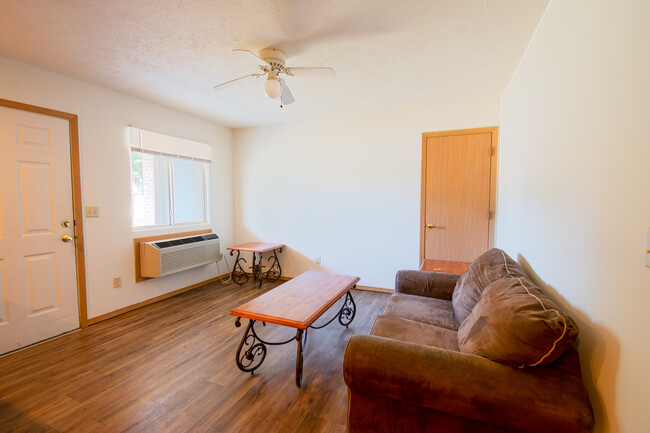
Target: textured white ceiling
(389, 55)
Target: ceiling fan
(274, 66)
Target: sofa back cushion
(487, 268)
(515, 324)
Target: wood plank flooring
(170, 367)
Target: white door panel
(38, 287)
(35, 180)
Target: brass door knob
(67, 238)
(431, 226)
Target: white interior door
(38, 285)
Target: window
(170, 180)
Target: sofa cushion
(431, 311)
(487, 268)
(515, 324)
(415, 332)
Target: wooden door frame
(494, 130)
(76, 196)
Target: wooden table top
(446, 266)
(299, 302)
(256, 247)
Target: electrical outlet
(317, 261)
(117, 282)
(92, 212)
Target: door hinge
(493, 151)
(490, 214)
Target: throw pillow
(488, 267)
(515, 324)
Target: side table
(239, 275)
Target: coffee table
(297, 303)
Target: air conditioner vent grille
(168, 256)
(181, 259)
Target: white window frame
(174, 148)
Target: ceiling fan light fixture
(273, 88)
(275, 64)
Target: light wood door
(38, 280)
(457, 194)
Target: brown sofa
(485, 351)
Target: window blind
(156, 143)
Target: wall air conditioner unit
(167, 256)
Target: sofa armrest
(422, 283)
(532, 400)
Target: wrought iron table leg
(246, 360)
(238, 277)
(252, 348)
(259, 270)
(274, 274)
(345, 314)
(254, 268)
(299, 356)
(348, 310)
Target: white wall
(345, 189)
(574, 188)
(104, 116)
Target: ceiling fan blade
(249, 51)
(220, 86)
(286, 97)
(311, 72)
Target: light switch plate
(92, 212)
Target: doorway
(458, 194)
(42, 277)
